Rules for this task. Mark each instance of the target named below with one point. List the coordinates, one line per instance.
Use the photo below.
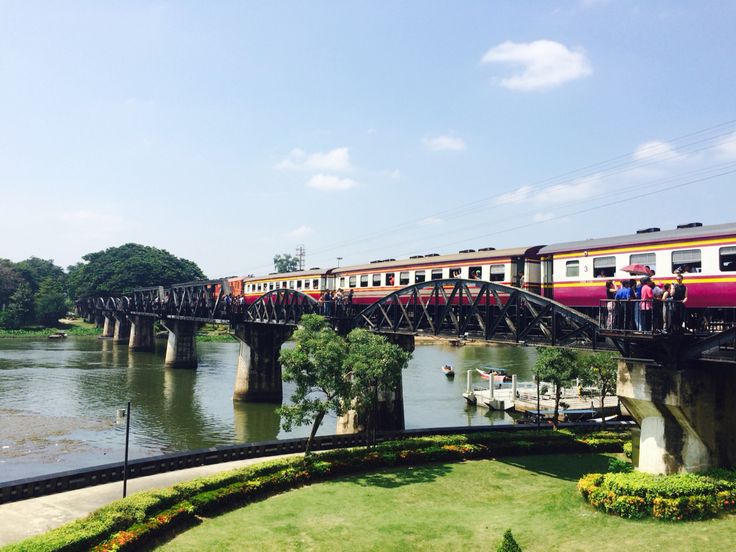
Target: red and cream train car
(576, 273)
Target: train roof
(652, 236)
(429, 260)
(287, 275)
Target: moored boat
(448, 371)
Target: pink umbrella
(637, 269)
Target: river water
(58, 400)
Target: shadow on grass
(569, 467)
(398, 477)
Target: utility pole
(300, 255)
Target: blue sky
(228, 132)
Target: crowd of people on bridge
(645, 305)
(336, 303)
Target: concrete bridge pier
(181, 348)
(121, 334)
(258, 377)
(687, 415)
(99, 320)
(390, 411)
(108, 327)
(141, 334)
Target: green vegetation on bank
(71, 327)
(130, 523)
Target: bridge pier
(687, 415)
(258, 377)
(121, 334)
(141, 334)
(108, 328)
(181, 348)
(390, 410)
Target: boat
(58, 335)
(499, 375)
(448, 371)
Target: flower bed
(129, 523)
(668, 497)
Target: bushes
(669, 497)
(127, 524)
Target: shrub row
(669, 497)
(127, 524)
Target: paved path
(23, 519)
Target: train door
(547, 278)
(517, 271)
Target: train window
(298, 284)
(420, 276)
(283, 284)
(259, 287)
(572, 269)
(646, 259)
(270, 285)
(727, 259)
(352, 281)
(291, 284)
(687, 260)
(475, 272)
(342, 281)
(315, 284)
(455, 272)
(376, 280)
(390, 278)
(498, 273)
(307, 283)
(436, 273)
(403, 278)
(363, 280)
(604, 267)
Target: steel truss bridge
(452, 308)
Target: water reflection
(74, 387)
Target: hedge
(129, 523)
(677, 497)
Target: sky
(228, 132)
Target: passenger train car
(574, 274)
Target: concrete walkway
(25, 518)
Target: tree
(601, 370)
(50, 302)
(120, 269)
(334, 374)
(35, 271)
(558, 366)
(374, 366)
(10, 279)
(285, 263)
(20, 307)
(508, 544)
(316, 365)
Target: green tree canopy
(20, 308)
(285, 263)
(119, 269)
(600, 369)
(10, 279)
(333, 374)
(50, 302)
(559, 366)
(35, 271)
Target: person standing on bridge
(679, 298)
(645, 306)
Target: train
(575, 274)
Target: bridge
(677, 392)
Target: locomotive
(574, 274)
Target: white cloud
(657, 150)
(543, 217)
(301, 232)
(329, 183)
(337, 159)
(582, 188)
(545, 63)
(394, 174)
(726, 148)
(431, 221)
(444, 143)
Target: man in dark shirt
(679, 296)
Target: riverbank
(71, 327)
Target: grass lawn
(464, 506)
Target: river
(58, 400)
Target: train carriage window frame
(572, 269)
(353, 281)
(497, 273)
(687, 261)
(376, 280)
(436, 274)
(342, 282)
(259, 287)
(404, 278)
(390, 279)
(420, 276)
(456, 272)
(727, 258)
(364, 280)
(315, 283)
(270, 286)
(604, 267)
(646, 259)
(291, 284)
(475, 273)
(298, 284)
(307, 284)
